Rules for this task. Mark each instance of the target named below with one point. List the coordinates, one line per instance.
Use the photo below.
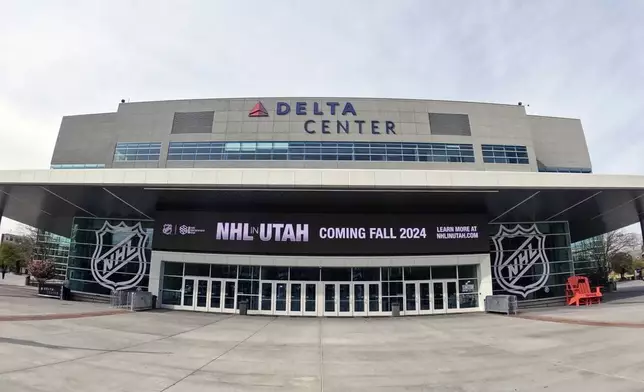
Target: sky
(580, 59)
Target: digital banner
(321, 234)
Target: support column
(154, 278)
(485, 279)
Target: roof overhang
(592, 204)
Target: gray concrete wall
(86, 139)
(560, 142)
(92, 138)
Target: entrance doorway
(209, 295)
(351, 299)
(288, 298)
(195, 294)
(418, 298)
(445, 296)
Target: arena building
(321, 206)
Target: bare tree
(33, 244)
(595, 256)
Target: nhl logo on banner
(108, 262)
(525, 269)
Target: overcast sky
(581, 59)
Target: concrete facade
(91, 139)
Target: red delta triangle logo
(258, 111)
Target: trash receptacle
(27, 279)
(243, 308)
(65, 293)
(395, 310)
(612, 286)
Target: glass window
(172, 283)
(504, 154)
(336, 274)
(223, 271)
(444, 272)
(418, 273)
(305, 273)
(197, 269)
(171, 297)
(248, 287)
(248, 272)
(365, 274)
(274, 273)
(137, 151)
(467, 271)
(313, 151)
(392, 273)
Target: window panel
(504, 154)
(313, 151)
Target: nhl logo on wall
(112, 260)
(511, 267)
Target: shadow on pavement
(31, 343)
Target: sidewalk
(12, 279)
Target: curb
(61, 316)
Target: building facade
(335, 251)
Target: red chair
(578, 291)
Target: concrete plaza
(181, 351)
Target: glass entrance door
(266, 305)
(418, 297)
(195, 294)
(360, 299)
(281, 305)
(215, 296)
(288, 298)
(445, 296)
(230, 296)
(188, 293)
(310, 299)
(365, 298)
(337, 299)
(330, 296)
(424, 298)
(411, 298)
(344, 296)
(221, 295)
(295, 306)
(439, 297)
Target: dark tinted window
(366, 274)
(336, 274)
(305, 273)
(449, 124)
(197, 269)
(274, 273)
(192, 122)
(223, 271)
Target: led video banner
(320, 234)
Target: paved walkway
(182, 351)
(174, 351)
(12, 279)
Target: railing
(501, 304)
(131, 300)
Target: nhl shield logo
(510, 268)
(111, 260)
